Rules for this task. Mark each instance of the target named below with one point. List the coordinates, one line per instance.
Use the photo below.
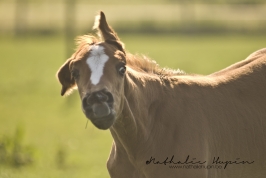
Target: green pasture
(50, 129)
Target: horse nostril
(110, 97)
(86, 101)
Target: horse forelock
(86, 39)
(82, 43)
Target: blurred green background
(43, 134)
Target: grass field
(54, 127)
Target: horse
(164, 122)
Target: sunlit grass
(30, 96)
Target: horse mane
(140, 63)
(143, 63)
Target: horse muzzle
(98, 107)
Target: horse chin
(104, 122)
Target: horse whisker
(86, 124)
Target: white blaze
(96, 62)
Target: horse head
(97, 69)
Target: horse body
(170, 124)
(220, 115)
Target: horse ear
(64, 77)
(106, 31)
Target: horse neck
(141, 93)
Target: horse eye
(122, 70)
(75, 74)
